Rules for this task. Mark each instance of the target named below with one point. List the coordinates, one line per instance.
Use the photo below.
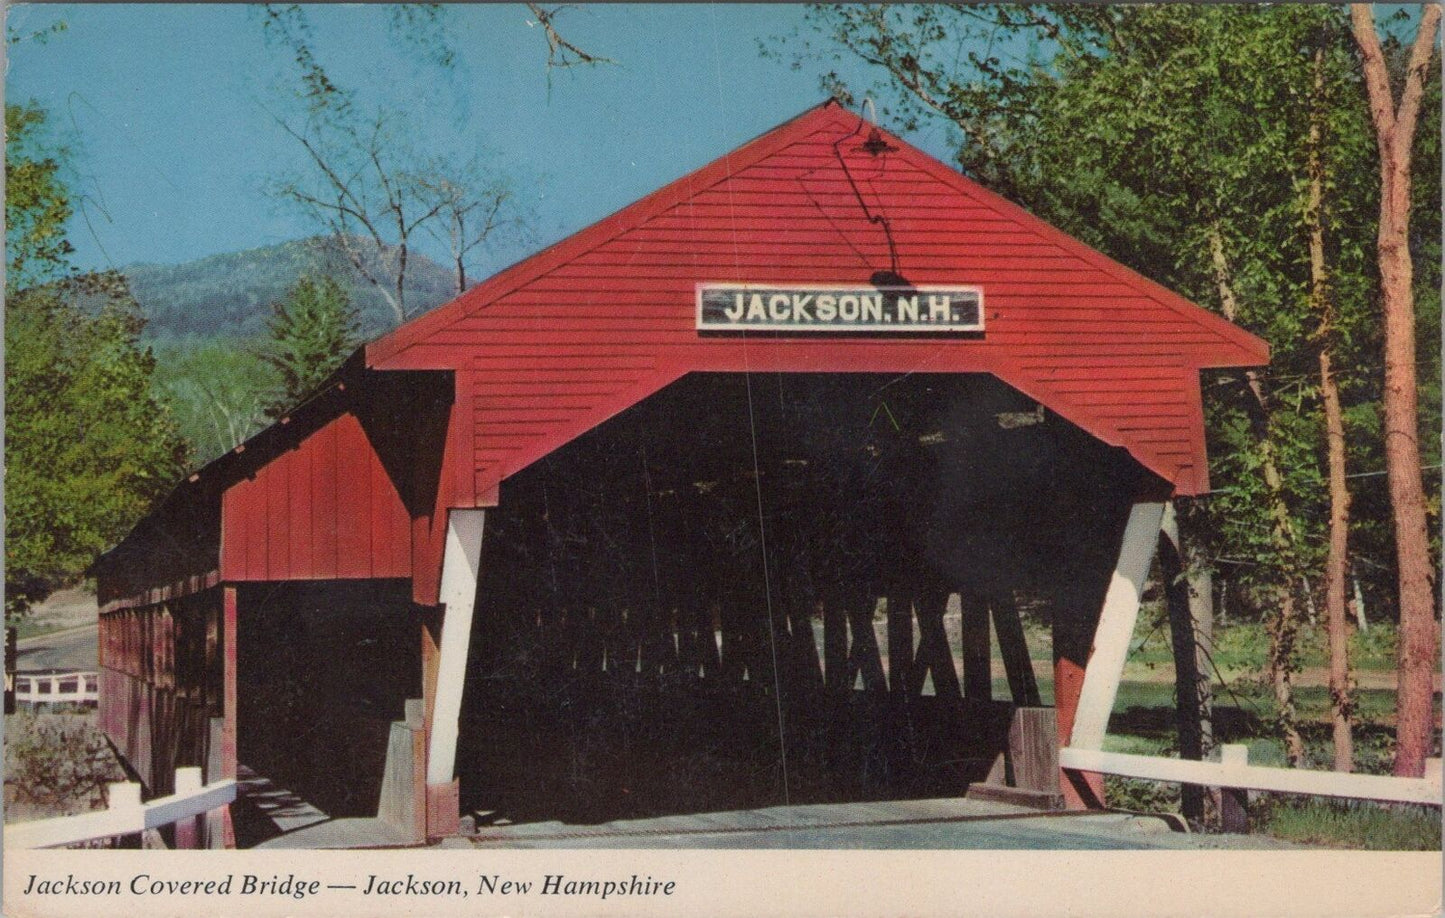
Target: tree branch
(1377, 79)
(561, 53)
(1420, 54)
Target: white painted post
(1234, 755)
(122, 795)
(1233, 794)
(188, 828)
(188, 780)
(461, 565)
(1116, 626)
(122, 798)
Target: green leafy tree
(217, 389)
(1223, 152)
(312, 331)
(87, 448)
(37, 203)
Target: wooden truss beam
(461, 568)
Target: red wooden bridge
(667, 504)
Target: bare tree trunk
(1337, 561)
(1341, 705)
(459, 251)
(398, 311)
(1201, 610)
(1360, 618)
(1394, 135)
(1283, 625)
(1191, 676)
(401, 288)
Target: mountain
(230, 295)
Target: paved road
(74, 649)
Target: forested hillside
(230, 295)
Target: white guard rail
(126, 814)
(57, 688)
(1233, 770)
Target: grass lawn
(1142, 724)
(29, 628)
(62, 610)
(1245, 712)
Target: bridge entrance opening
(751, 590)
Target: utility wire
(758, 487)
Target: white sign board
(836, 309)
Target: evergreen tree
(312, 331)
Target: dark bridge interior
(323, 668)
(677, 609)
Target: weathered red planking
(301, 512)
(275, 478)
(353, 510)
(323, 502)
(324, 508)
(561, 341)
(553, 346)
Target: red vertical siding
(276, 479)
(426, 554)
(322, 453)
(353, 507)
(233, 542)
(253, 523)
(324, 509)
(299, 502)
(461, 441)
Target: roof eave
(383, 349)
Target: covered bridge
(821, 377)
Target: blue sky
(167, 109)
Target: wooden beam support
(430, 661)
(863, 655)
(807, 672)
(229, 693)
(461, 569)
(934, 656)
(835, 645)
(1089, 648)
(1116, 627)
(1014, 649)
(977, 666)
(1033, 747)
(900, 640)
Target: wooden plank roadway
(902, 824)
